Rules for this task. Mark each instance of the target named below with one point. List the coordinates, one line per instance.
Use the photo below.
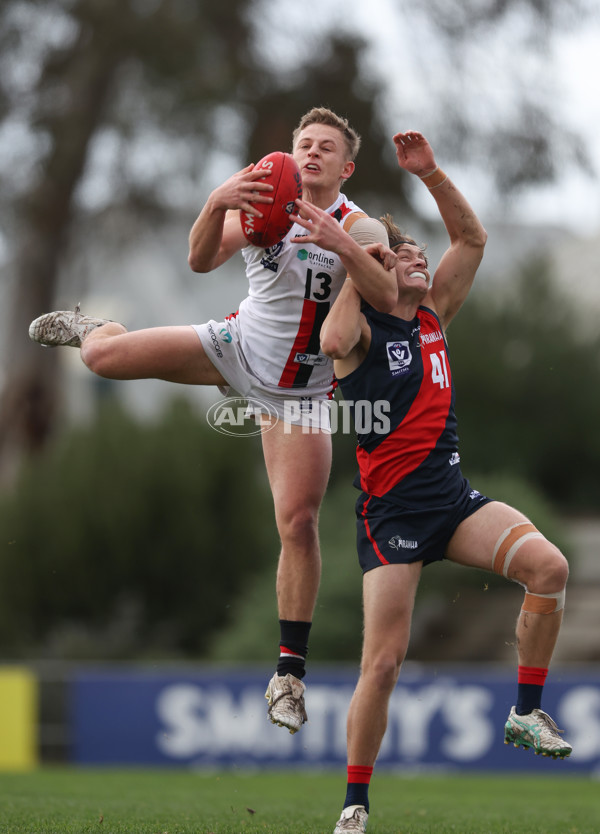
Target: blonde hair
(324, 116)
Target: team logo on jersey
(269, 261)
(399, 357)
(310, 359)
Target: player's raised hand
(414, 153)
(242, 191)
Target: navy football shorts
(387, 533)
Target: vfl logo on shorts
(398, 543)
(399, 357)
(306, 405)
(310, 359)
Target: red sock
(532, 674)
(356, 773)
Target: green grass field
(70, 801)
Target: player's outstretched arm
(376, 284)
(217, 233)
(455, 274)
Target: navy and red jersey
(408, 450)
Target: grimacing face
(411, 266)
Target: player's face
(321, 154)
(411, 267)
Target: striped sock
(531, 680)
(293, 647)
(357, 791)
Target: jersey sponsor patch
(310, 359)
(430, 338)
(399, 357)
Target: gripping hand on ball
(243, 191)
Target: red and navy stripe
(297, 374)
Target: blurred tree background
(124, 537)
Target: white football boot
(285, 695)
(538, 731)
(354, 819)
(64, 327)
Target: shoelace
(548, 721)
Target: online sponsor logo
(240, 417)
(315, 258)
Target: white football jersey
(291, 289)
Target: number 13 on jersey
(317, 287)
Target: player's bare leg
(298, 466)
(388, 599)
(173, 354)
(388, 596)
(537, 564)
(541, 568)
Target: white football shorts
(221, 344)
